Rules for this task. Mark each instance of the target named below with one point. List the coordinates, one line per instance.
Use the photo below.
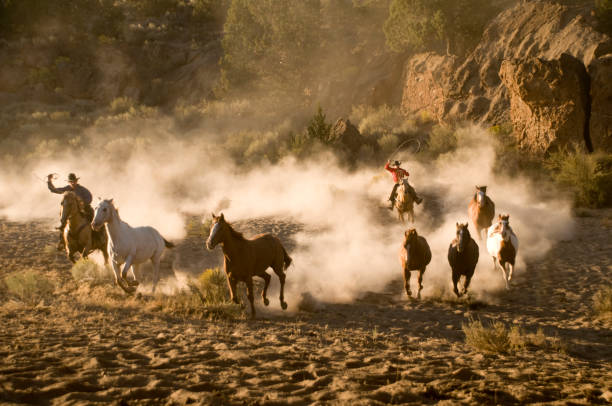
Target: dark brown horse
(244, 258)
(78, 235)
(462, 257)
(415, 255)
(481, 210)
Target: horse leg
(468, 279)
(510, 270)
(502, 265)
(455, 281)
(155, 260)
(249, 284)
(105, 254)
(407, 281)
(281, 278)
(232, 282)
(421, 271)
(133, 272)
(117, 271)
(266, 279)
(126, 267)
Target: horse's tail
(287, 260)
(168, 244)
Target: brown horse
(244, 258)
(481, 210)
(415, 255)
(404, 203)
(462, 257)
(78, 235)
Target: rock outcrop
(532, 33)
(548, 101)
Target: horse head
(481, 194)
(216, 231)
(70, 203)
(505, 231)
(102, 214)
(463, 236)
(410, 238)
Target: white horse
(129, 246)
(503, 245)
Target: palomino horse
(243, 259)
(415, 255)
(481, 210)
(129, 246)
(462, 257)
(78, 237)
(502, 245)
(404, 203)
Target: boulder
(548, 101)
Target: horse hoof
(266, 301)
(284, 305)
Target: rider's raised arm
(388, 167)
(57, 190)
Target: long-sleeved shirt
(80, 191)
(398, 173)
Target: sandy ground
(383, 348)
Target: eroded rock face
(454, 89)
(600, 72)
(548, 101)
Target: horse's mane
(236, 234)
(79, 201)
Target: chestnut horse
(415, 255)
(502, 245)
(481, 210)
(462, 257)
(78, 236)
(404, 203)
(244, 258)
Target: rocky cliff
(540, 65)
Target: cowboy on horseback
(400, 175)
(81, 192)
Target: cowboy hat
(72, 177)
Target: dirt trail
(380, 349)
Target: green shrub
(212, 283)
(441, 140)
(319, 129)
(86, 270)
(121, 105)
(29, 286)
(587, 176)
(602, 301)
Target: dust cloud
(349, 241)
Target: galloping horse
(462, 257)
(502, 245)
(129, 246)
(415, 255)
(244, 258)
(78, 236)
(481, 210)
(404, 203)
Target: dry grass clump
(497, 338)
(207, 297)
(602, 301)
(28, 286)
(87, 271)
